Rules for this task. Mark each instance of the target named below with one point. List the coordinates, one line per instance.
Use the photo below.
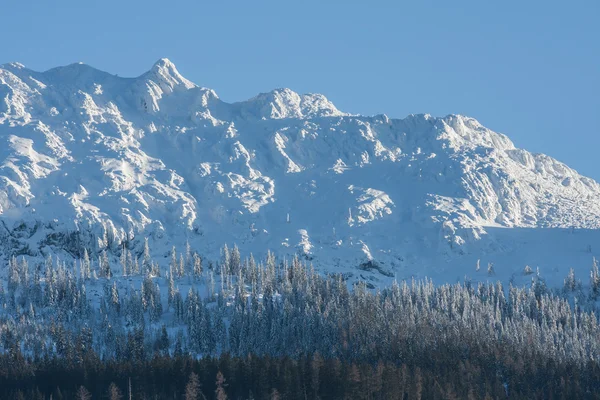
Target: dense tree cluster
(435, 375)
(109, 317)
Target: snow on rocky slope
(90, 158)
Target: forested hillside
(315, 335)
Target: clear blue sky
(530, 69)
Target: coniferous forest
(242, 329)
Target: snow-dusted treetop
(85, 151)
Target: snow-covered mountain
(90, 158)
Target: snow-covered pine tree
(136, 266)
(570, 283)
(171, 287)
(104, 265)
(188, 257)
(595, 278)
(146, 259)
(123, 261)
(24, 271)
(85, 265)
(211, 285)
(129, 262)
(14, 278)
(181, 267)
(157, 310)
(490, 269)
(235, 261)
(225, 260)
(197, 266)
(114, 298)
(173, 267)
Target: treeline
(436, 375)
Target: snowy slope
(90, 158)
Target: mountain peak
(12, 65)
(285, 103)
(165, 73)
(164, 63)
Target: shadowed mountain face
(91, 159)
